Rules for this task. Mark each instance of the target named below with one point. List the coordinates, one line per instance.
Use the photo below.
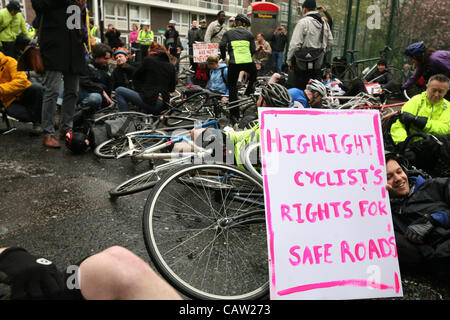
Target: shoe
(51, 142)
(36, 130)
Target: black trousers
(301, 78)
(233, 75)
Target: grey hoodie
(307, 35)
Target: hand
(417, 232)
(407, 118)
(107, 98)
(291, 69)
(30, 277)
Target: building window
(139, 15)
(116, 14)
(183, 21)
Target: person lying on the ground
(113, 274)
(421, 215)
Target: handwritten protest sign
(330, 231)
(203, 50)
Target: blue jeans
(90, 98)
(277, 57)
(125, 95)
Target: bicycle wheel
(113, 147)
(138, 183)
(204, 228)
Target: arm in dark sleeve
(90, 85)
(223, 46)
(252, 45)
(173, 80)
(330, 19)
(46, 5)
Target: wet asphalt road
(56, 204)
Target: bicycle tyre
(138, 183)
(110, 148)
(171, 222)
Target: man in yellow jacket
(427, 112)
(19, 97)
(12, 24)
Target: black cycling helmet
(415, 48)
(242, 18)
(276, 96)
(77, 142)
(13, 5)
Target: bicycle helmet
(317, 86)
(276, 96)
(242, 18)
(13, 5)
(415, 48)
(77, 142)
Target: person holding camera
(113, 36)
(278, 43)
(263, 51)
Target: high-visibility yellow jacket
(12, 26)
(438, 115)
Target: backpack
(311, 59)
(222, 72)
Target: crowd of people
(82, 77)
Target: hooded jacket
(12, 82)
(307, 34)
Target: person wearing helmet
(172, 41)
(240, 44)
(231, 23)
(428, 62)
(77, 142)
(310, 97)
(216, 29)
(12, 24)
(421, 214)
(145, 37)
(124, 71)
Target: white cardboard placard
(329, 223)
(203, 50)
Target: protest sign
(203, 50)
(329, 224)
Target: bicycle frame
(151, 152)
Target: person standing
(263, 52)
(145, 37)
(113, 36)
(311, 38)
(200, 35)
(191, 39)
(133, 34)
(63, 59)
(278, 44)
(216, 29)
(241, 47)
(172, 41)
(406, 73)
(231, 23)
(12, 23)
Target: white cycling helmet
(317, 86)
(172, 22)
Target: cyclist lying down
(113, 274)
(229, 141)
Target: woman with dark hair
(428, 62)
(153, 82)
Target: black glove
(419, 229)
(408, 118)
(30, 277)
